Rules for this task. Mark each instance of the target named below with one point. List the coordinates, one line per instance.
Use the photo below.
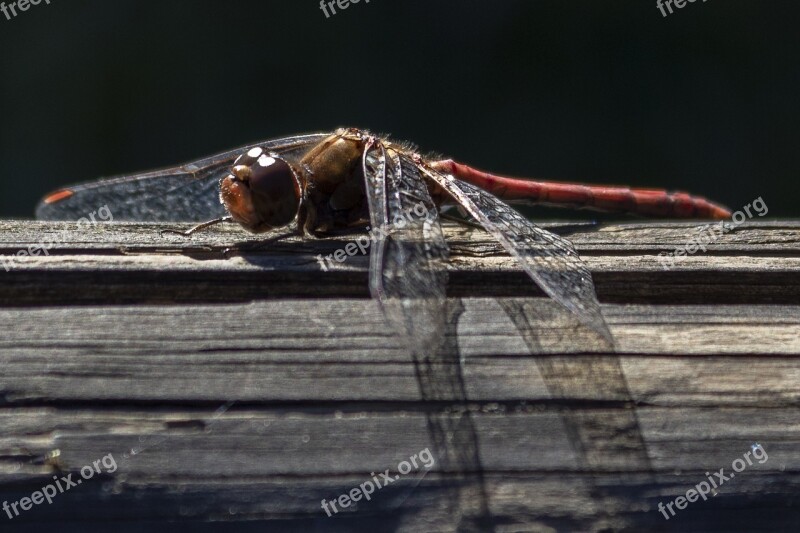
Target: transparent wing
(409, 255)
(550, 260)
(409, 279)
(188, 192)
(409, 252)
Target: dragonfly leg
(261, 245)
(191, 231)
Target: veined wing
(187, 193)
(408, 278)
(409, 252)
(550, 260)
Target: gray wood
(244, 385)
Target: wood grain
(252, 383)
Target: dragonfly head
(262, 192)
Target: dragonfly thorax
(333, 182)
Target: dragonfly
(319, 183)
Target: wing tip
(50, 205)
(57, 196)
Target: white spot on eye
(266, 161)
(255, 152)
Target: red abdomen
(647, 202)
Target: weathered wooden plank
(133, 263)
(295, 440)
(280, 463)
(764, 237)
(560, 503)
(329, 350)
(260, 383)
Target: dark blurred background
(704, 100)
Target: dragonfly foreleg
(191, 231)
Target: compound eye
(275, 190)
(273, 179)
